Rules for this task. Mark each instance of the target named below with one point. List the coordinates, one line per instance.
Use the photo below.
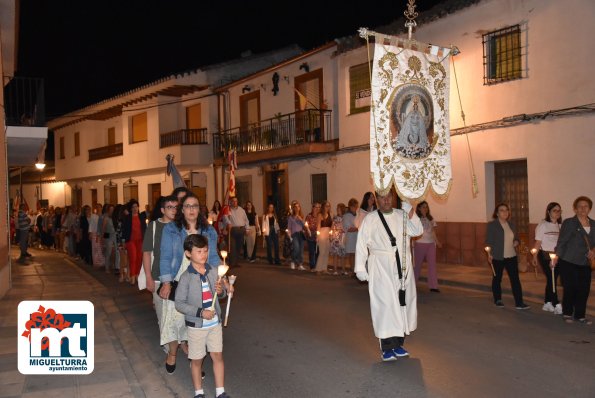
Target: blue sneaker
(389, 355)
(401, 352)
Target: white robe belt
(378, 252)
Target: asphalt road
(293, 334)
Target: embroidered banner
(409, 127)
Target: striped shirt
(207, 303)
(23, 222)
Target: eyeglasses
(170, 207)
(191, 207)
(556, 211)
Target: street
(293, 334)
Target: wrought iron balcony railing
(105, 152)
(184, 137)
(300, 127)
(24, 102)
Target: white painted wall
(53, 192)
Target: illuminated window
(502, 55)
(359, 88)
(139, 128)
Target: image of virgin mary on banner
(409, 124)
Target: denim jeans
(273, 246)
(312, 253)
(297, 252)
(512, 268)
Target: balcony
(24, 102)
(105, 152)
(287, 135)
(184, 137)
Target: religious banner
(409, 123)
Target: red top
(136, 231)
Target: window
(62, 148)
(111, 136)
(139, 128)
(360, 90)
(502, 55)
(318, 188)
(193, 120)
(77, 144)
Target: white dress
(173, 324)
(388, 317)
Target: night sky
(88, 51)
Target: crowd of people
(350, 241)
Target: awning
(24, 144)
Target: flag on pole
(409, 127)
(233, 165)
(173, 171)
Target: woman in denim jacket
(173, 263)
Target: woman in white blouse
(546, 239)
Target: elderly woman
(502, 240)
(575, 249)
(172, 265)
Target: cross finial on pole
(410, 14)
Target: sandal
(569, 320)
(585, 321)
(170, 369)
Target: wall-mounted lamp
(39, 165)
(305, 67)
(286, 78)
(275, 83)
(246, 89)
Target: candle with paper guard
(224, 255)
(488, 250)
(552, 258)
(533, 252)
(232, 280)
(221, 271)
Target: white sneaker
(548, 307)
(301, 268)
(292, 266)
(558, 309)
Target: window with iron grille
(318, 188)
(359, 88)
(502, 55)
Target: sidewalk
(119, 371)
(480, 278)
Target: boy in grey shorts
(197, 298)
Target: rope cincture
(474, 185)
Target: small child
(197, 298)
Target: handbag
(591, 260)
(172, 292)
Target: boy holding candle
(197, 298)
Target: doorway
(276, 191)
(154, 194)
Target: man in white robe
(391, 321)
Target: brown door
(93, 197)
(308, 100)
(276, 189)
(154, 194)
(249, 118)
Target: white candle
(533, 251)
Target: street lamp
(40, 167)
